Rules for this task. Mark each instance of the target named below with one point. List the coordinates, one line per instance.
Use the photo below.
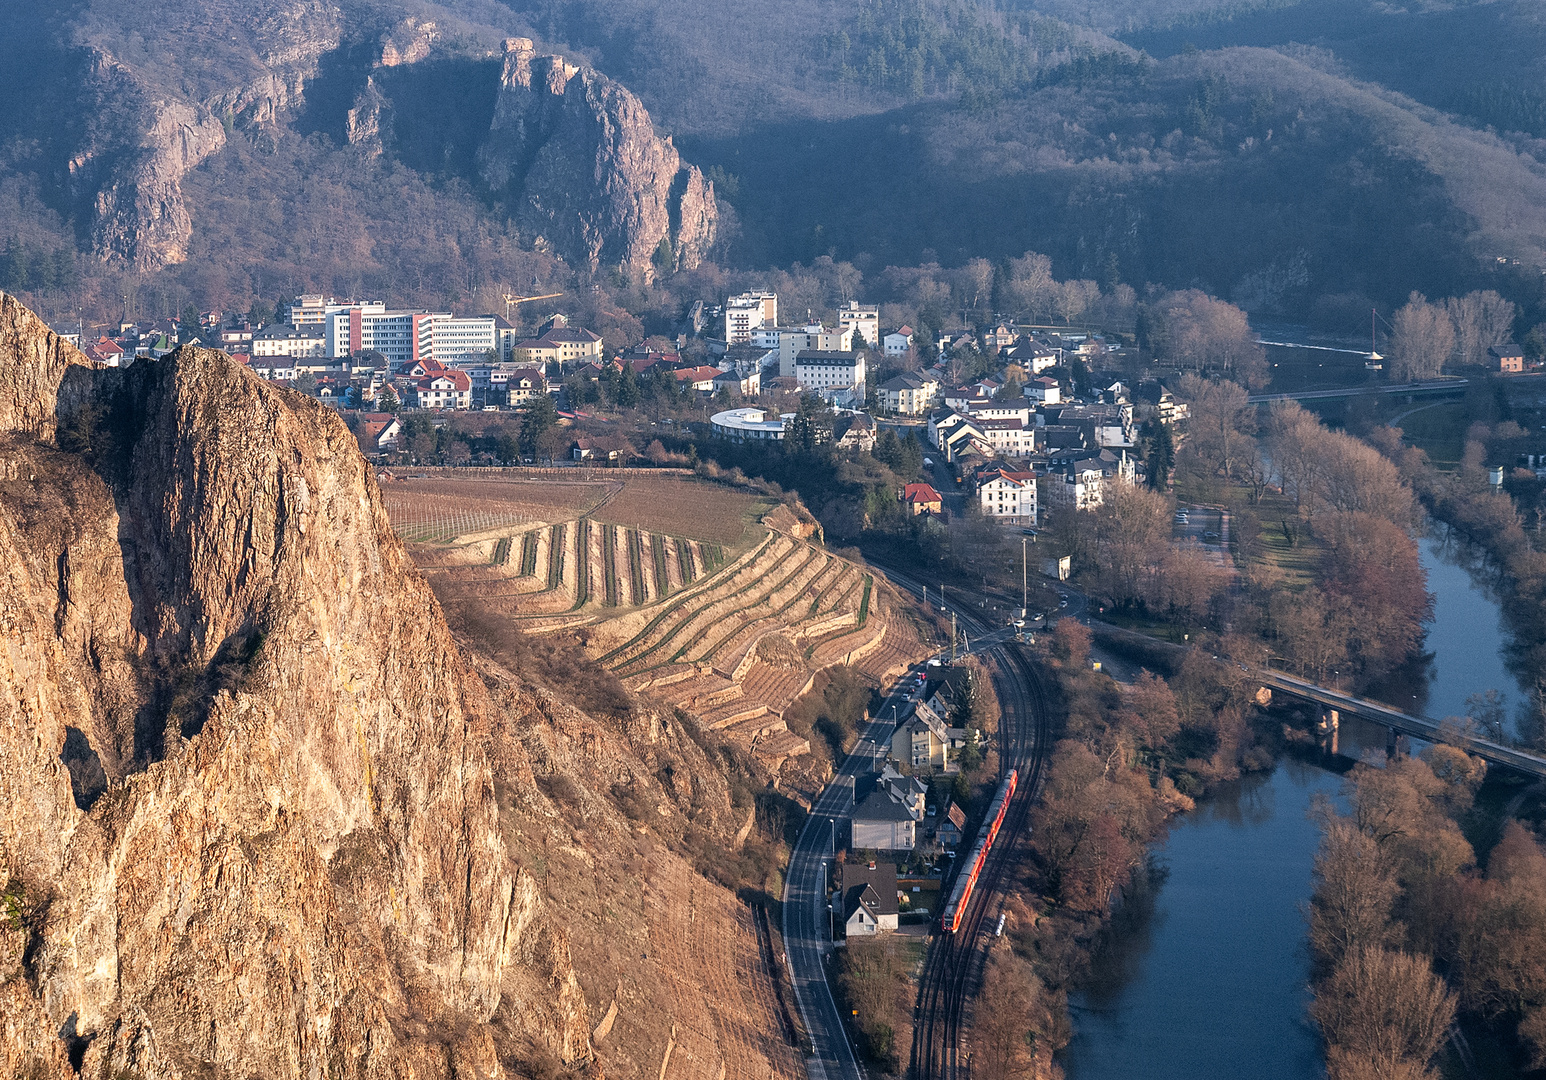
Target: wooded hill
(1282, 155)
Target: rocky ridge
(267, 816)
(576, 153)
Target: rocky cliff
(577, 157)
(264, 818)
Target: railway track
(953, 959)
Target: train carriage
(966, 879)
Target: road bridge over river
(1337, 704)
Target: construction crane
(512, 301)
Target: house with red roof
(444, 390)
(922, 499)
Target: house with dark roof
(952, 827)
(884, 822)
(1508, 357)
(869, 898)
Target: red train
(966, 880)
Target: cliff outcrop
(575, 155)
(265, 815)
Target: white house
(1009, 496)
(899, 341)
(1043, 390)
(444, 390)
(747, 312)
(282, 339)
(868, 897)
(909, 393)
(883, 822)
(1008, 437)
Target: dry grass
(684, 507)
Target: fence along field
(685, 589)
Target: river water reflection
(1213, 981)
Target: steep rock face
(292, 860)
(139, 213)
(576, 154)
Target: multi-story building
(909, 393)
(444, 390)
(1009, 437)
(815, 338)
(524, 384)
(862, 319)
(747, 312)
(283, 339)
(561, 345)
(1008, 496)
(400, 336)
(819, 369)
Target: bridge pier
(1328, 728)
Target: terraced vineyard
(732, 623)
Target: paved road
(807, 936)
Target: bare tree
(1208, 334)
(1031, 283)
(1422, 341)
(1074, 298)
(1355, 891)
(1481, 319)
(1384, 1014)
(975, 281)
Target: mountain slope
(265, 818)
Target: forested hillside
(1295, 157)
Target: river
(1211, 981)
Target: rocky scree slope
(251, 779)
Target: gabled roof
(460, 380)
(882, 806)
(920, 493)
(955, 815)
(874, 886)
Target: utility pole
(1025, 578)
(952, 637)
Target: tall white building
(862, 319)
(747, 312)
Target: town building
(861, 320)
(1043, 391)
(883, 822)
(819, 369)
(908, 394)
(378, 433)
(922, 499)
(1007, 436)
(854, 431)
(899, 341)
(560, 345)
(698, 378)
(811, 338)
(443, 390)
(521, 384)
(747, 385)
(868, 895)
(1509, 358)
(747, 425)
(747, 312)
(952, 827)
(1008, 496)
(922, 741)
(284, 339)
